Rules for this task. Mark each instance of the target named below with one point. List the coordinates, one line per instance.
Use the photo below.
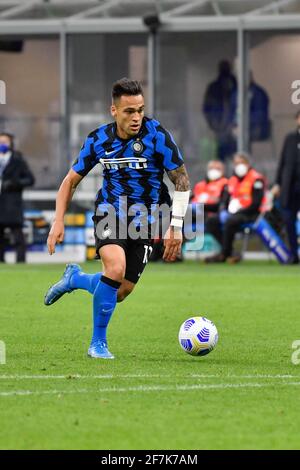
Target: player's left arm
(173, 236)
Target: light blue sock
(80, 280)
(105, 299)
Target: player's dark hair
(10, 136)
(297, 115)
(127, 87)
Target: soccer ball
(198, 336)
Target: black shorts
(137, 252)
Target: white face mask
(241, 170)
(214, 174)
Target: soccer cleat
(99, 350)
(234, 259)
(58, 289)
(220, 258)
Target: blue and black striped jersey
(132, 168)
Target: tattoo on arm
(180, 178)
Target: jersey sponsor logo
(136, 163)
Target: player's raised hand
(172, 244)
(56, 235)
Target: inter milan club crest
(137, 146)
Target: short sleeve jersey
(133, 168)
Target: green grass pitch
(245, 394)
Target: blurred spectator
(259, 121)
(287, 186)
(245, 196)
(258, 112)
(218, 112)
(14, 177)
(211, 190)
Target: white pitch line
(142, 376)
(254, 376)
(142, 388)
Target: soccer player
(134, 152)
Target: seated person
(245, 194)
(211, 190)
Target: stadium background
(59, 58)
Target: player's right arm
(63, 199)
(85, 161)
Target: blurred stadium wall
(58, 59)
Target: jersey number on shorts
(147, 254)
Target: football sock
(80, 280)
(104, 303)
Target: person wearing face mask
(287, 186)
(15, 175)
(245, 194)
(211, 190)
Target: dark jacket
(287, 168)
(259, 121)
(16, 176)
(216, 106)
